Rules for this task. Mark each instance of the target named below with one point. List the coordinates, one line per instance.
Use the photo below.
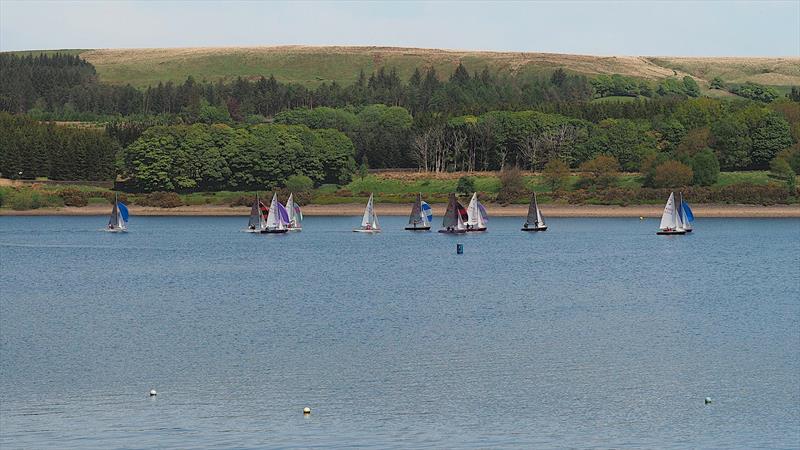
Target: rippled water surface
(596, 333)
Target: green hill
(313, 65)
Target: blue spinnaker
(427, 211)
(123, 210)
(688, 212)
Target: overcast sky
(708, 28)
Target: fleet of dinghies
(676, 219)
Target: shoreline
(357, 209)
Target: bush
(556, 174)
(672, 174)
(26, 199)
(73, 197)
(299, 183)
(601, 171)
(466, 185)
(705, 167)
(243, 200)
(512, 185)
(161, 200)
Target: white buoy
(707, 400)
(153, 393)
(306, 410)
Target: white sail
(293, 211)
(274, 219)
(474, 217)
(370, 219)
(539, 218)
(670, 219)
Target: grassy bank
(400, 187)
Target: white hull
(361, 230)
(116, 230)
(295, 228)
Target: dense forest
(213, 135)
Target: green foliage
(465, 185)
(73, 197)
(601, 171)
(674, 87)
(160, 200)
(717, 83)
(756, 91)
(672, 174)
(512, 185)
(299, 183)
(203, 157)
(556, 174)
(705, 167)
(363, 169)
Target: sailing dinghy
(369, 223)
(421, 215)
(258, 213)
(118, 222)
(687, 217)
(671, 218)
(476, 215)
(453, 221)
(295, 215)
(277, 217)
(534, 221)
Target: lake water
(594, 334)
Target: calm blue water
(597, 333)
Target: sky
(646, 28)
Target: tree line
(30, 149)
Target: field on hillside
(313, 65)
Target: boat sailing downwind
(295, 215)
(476, 215)
(534, 221)
(671, 218)
(454, 216)
(421, 215)
(118, 221)
(277, 217)
(369, 223)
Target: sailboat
(118, 222)
(421, 215)
(453, 221)
(671, 218)
(534, 221)
(369, 224)
(257, 221)
(476, 215)
(687, 217)
(295, 215)
(277, 217)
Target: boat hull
(117, 230)
(274, 231)
(534, 229)
(360, 230)
(473, 230)
(418, 228)
(453, 231)
(295, 229)
(670, 232)
(689, 230)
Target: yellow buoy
(306, 410)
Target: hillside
(313, 65)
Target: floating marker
(153, 393)
(460, 249)
(707, 400)
(306, 410)
(641, 218)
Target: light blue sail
(123, 210)
(427, 211)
